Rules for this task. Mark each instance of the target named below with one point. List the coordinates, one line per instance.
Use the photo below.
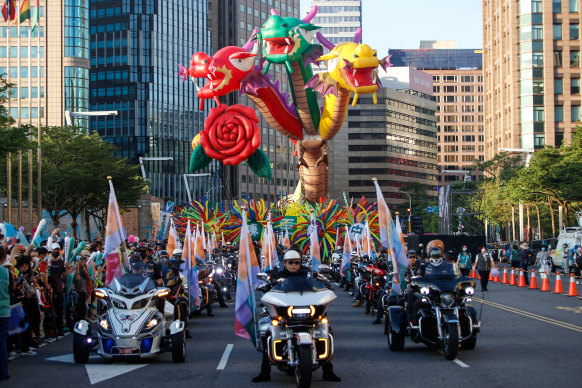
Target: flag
(9, 10)
(286, 240)
(24, 10)
(22, 239)
(346, 257)
(245, 322)
(203, 236)
(314, 245)
(37, 238)
(269, 247)
(114, 236)
(214, 243)
(223, 242)
(9, 230)
(199, 246)
(190, 269)
(35, 15)
(337, 238)
(173, 239)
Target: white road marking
(460, 363)
(225, 355)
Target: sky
(402, 24)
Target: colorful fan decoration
(213, 218)
(257, 216)
(328, 216)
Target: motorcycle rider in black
(173, 281)
(219, 295)
(292, 267)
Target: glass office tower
(136, 46)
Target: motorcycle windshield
(131, 285)
(444, 271)
(299, 284)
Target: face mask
(55, 254)
(464, 249)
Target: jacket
(483, 261)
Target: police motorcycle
(296, 332)
(443, 318)
(178, 286)
(336, 264)
(138, 323)
(221, 275)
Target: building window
(539, 140)
(467, 78)
(559, 113)
(538, 113)
(557, 31)
(575, 86)
(558, 85)
(538, 59)
(558, 58)
(450, 89)
(537, 32)
(574, 6)
(574, 31)
(436, 78)
(469, 138)
(538, 86)
(556, 6)
(449, 78)
(575, 113)
(574, 58)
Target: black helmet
(216, 251)
(135, 262)
(164, 253)
(435, 252)
(175, 263)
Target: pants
(465, 271)
(32, 313)
(524, 267)
(81, 307)
(59, 309)
(484, 279)
(3, 347)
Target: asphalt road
(528, 339)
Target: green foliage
(420, 200)
(12, 138)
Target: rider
(292, 267)
(136, 276)
(174, 280)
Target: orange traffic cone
(505, 279)
(513, 280)
(533, 282)
(521, 279)
(558, 289)
(473, 273)
(490, 276)
(572, 290)
(496, 278)
(545, 281)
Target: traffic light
(408, 209)
(417, 225)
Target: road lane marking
(460, 363)
(531, 315)
(225, 356)
(575, 310)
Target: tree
(75, 169)
(420, 200)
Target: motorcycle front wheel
(451, 341)
(304, 369)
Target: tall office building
(394, 140)
(136, 47)
(458, 90)
(531, 66)
(339, 19)
(50, 70)
(232, 23)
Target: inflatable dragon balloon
(351, 68)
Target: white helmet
(436, 261)
(177, 251)
(292, 254)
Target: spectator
(57, 271)
(566, 258)
(464, 261)
(525, 260)
(577, 257)
(81, 276)
(4, 315)
(514, 257)
(543, 261)
(483, 261)
(25, 295)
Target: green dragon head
(285, 39)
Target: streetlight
(69, 114)
(527, 151)
(142, 159)
(409, 211)
(186, 182)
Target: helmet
(135, 262)
(292, 254)
(164, 253)
(436, 256)
(435, 243)
(142, 245)
(216, 250)
(175, 263)
(177, 251)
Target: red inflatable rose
(231, 134)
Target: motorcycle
(444, 318)
(207, 290)
(296, 332)
(132, 325)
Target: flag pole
(250, 280)
(39, 110)
(30, 222)
(19, 122)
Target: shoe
(330, 376)
(210, 314)
(377, 321)
(358, 303)
(366, 312)
(262, 377)
(30, 352)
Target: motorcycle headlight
(152, 323)
(470, 291)
(424, 290)
(104, 324)
(300, 311)
(230, 265)
(447, 299)
(219, 271)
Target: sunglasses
(294, 262)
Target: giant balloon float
(231, 134)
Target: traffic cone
(496, 278)
(545, 281)
(513, 280)
(572, 290)
(473, 273)
(533, 281)
(558, 289)
(521, 279)
(505, 279)
(490, 276)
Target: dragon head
(224, 71)
(354, 67)
(285, 39)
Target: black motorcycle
(443, 317)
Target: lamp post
(409, 211)
(186, 182)
(69, 114)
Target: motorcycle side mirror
(263, 276)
